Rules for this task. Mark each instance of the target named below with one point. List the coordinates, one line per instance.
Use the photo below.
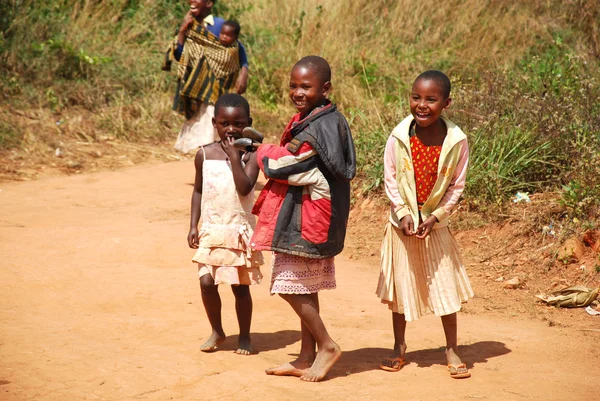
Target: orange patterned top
(425, 161)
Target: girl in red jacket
(303, 210)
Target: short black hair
(234, 24)
(318, 64)
(439, 78)
(232, 100)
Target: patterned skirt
(422, 276)
(292, 274)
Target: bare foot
(295, 368)
(213, 342)
(244, 346)
(325, 360)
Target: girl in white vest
(425, 165)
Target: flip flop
(253, 134)
(453, 369)
(392, 364)
(244, 144)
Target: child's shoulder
(331, 118)
(212, 151)
(402, 130)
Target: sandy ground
(99, 301)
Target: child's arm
(242, 81)
(406, 223)
(281, 165)
(196, 201)
(243, 177)
(188, 20)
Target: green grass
(525, 77)
(506, 161)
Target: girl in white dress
(223, 197)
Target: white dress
(224, 249)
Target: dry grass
(505, 59)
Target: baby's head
(429, 96)
(232, 115)
(230, 31)
(310, 84)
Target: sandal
(392, 364)
(455, 374)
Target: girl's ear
(326, 88)
(249, 121)
(448, 102)
(214, 122)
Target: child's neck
(203, 15)
(313, 111)
(432, 135)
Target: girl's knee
(207, 283)
(240, 290)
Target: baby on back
(230, 31)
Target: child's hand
(241, 85)
(193, 238)
(407, 225)
(425, 227)
(230, 150)
(188, 20)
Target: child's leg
(396, 359)
(399, 325)
(212, 305)
(243, 309)
(306, 307)
(308, 353)
(450, 331)
(308, 346)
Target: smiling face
(230, 121)
(427, 101)
(307, 90)
(228, 35)
(200, 8)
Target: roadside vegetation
(526, 80)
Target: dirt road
(99, 301)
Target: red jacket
(303, 209)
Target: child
(223, 195)
(303, 210)
(425, 166)
(230, 31)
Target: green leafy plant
(506, 161)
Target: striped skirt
(422, 276)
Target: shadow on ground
(366, 359)
(263, 342)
